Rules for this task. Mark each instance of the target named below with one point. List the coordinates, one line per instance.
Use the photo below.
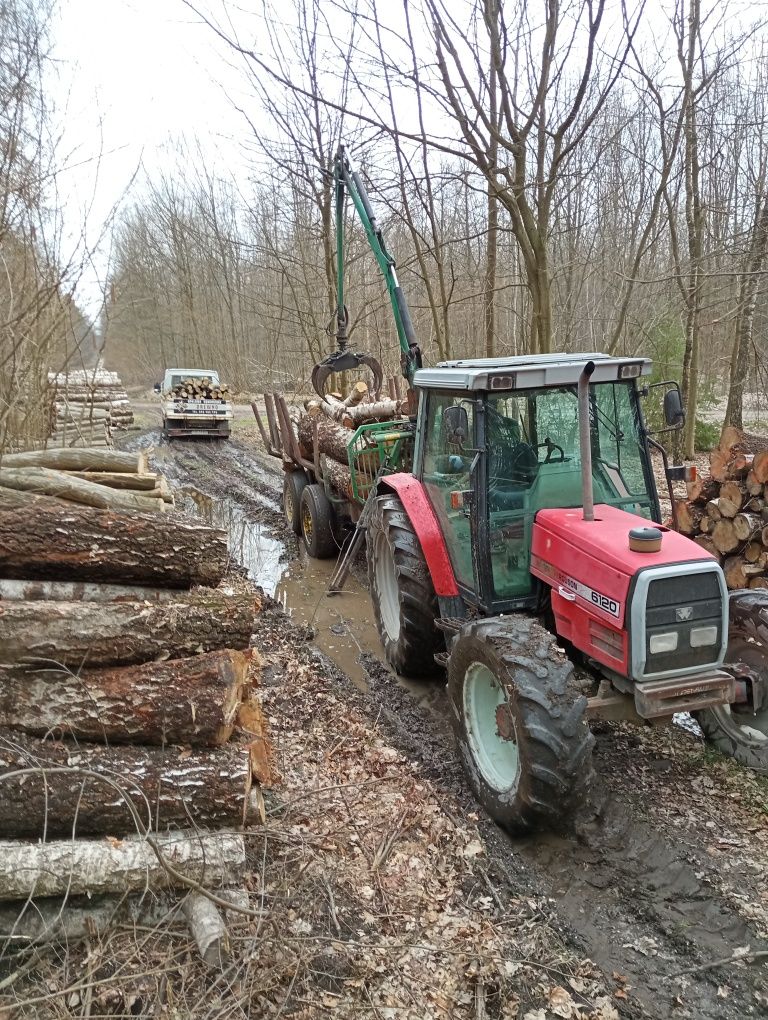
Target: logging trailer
(514, 539)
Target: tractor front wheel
(521, 730)
(404, 600)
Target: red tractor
(521, 553)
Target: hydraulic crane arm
(348, 181)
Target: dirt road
(665, 873)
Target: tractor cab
(498, 441)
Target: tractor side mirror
(674, 415)
(455, 425)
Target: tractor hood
(593, 560)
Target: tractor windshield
(534, 462)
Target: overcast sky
(132, 76)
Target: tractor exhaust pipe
(585, 443)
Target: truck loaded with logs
(514, 537)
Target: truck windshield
(534, 462)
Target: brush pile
(126, 701)
(726, 512)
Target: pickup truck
(194, 403)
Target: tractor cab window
(448, 458)
(534, 462)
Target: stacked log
(332, 423)
(90, 403)
(201, 389)
(726, 512)
(126, 701)
(92, 476)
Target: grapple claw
(346, 361)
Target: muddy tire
(294, 483)
(317, 523)
(737, 733)
(521, 731)
(404, 600)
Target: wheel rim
(751, 732)
(288, 505)
(388, 589)
(497, 757)
(306, 525)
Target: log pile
(107, 479)
(333, 421)
(726, 512)
(127, 708)
(201, 389)
(90, 403)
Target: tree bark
(82, 591)
(89, 634)
(80, 460)
(98, 867)
(44, 481)
(63, 541)
(724, 537)
(92, 789)
(120, 479)
(332, 438)
(182, 701)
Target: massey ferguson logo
(684, 613)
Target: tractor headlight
(701, 637)
(660, 643)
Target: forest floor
(386, 890)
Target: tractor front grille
(681, 623)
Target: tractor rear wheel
(404, 600)
(294, 483)
(317, 523)
(521, 730)
(735, 730)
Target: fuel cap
(645, 540)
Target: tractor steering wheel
(550, 447)
(523, 463)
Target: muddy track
(643, 886)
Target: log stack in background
(90, 403)
(126, 688)
(726, 512)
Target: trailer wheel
(735, 730)
(404, 600)
(316, 523)
(294, 483)
(521, 731)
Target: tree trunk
(98, 867)
(747, 526)
(723, 536)
(91, 789)
(339, 476)
(738, 572)
(56, 483)
(90, 634)
(120, 479)
(69, 542)
(79, 460)
(182, 701)
(332, 438)
(82, 591)
(688, 516)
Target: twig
(737, 957)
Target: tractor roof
(527, 372)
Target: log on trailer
(332, 438)
(182, 701)
(98, 867)
(90, 634)
(63, 788)
(63, 541)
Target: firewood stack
(334, 420)
(126, 699)
(89, 404)
(726, 512)
(201, 389)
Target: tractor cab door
(448, 471)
